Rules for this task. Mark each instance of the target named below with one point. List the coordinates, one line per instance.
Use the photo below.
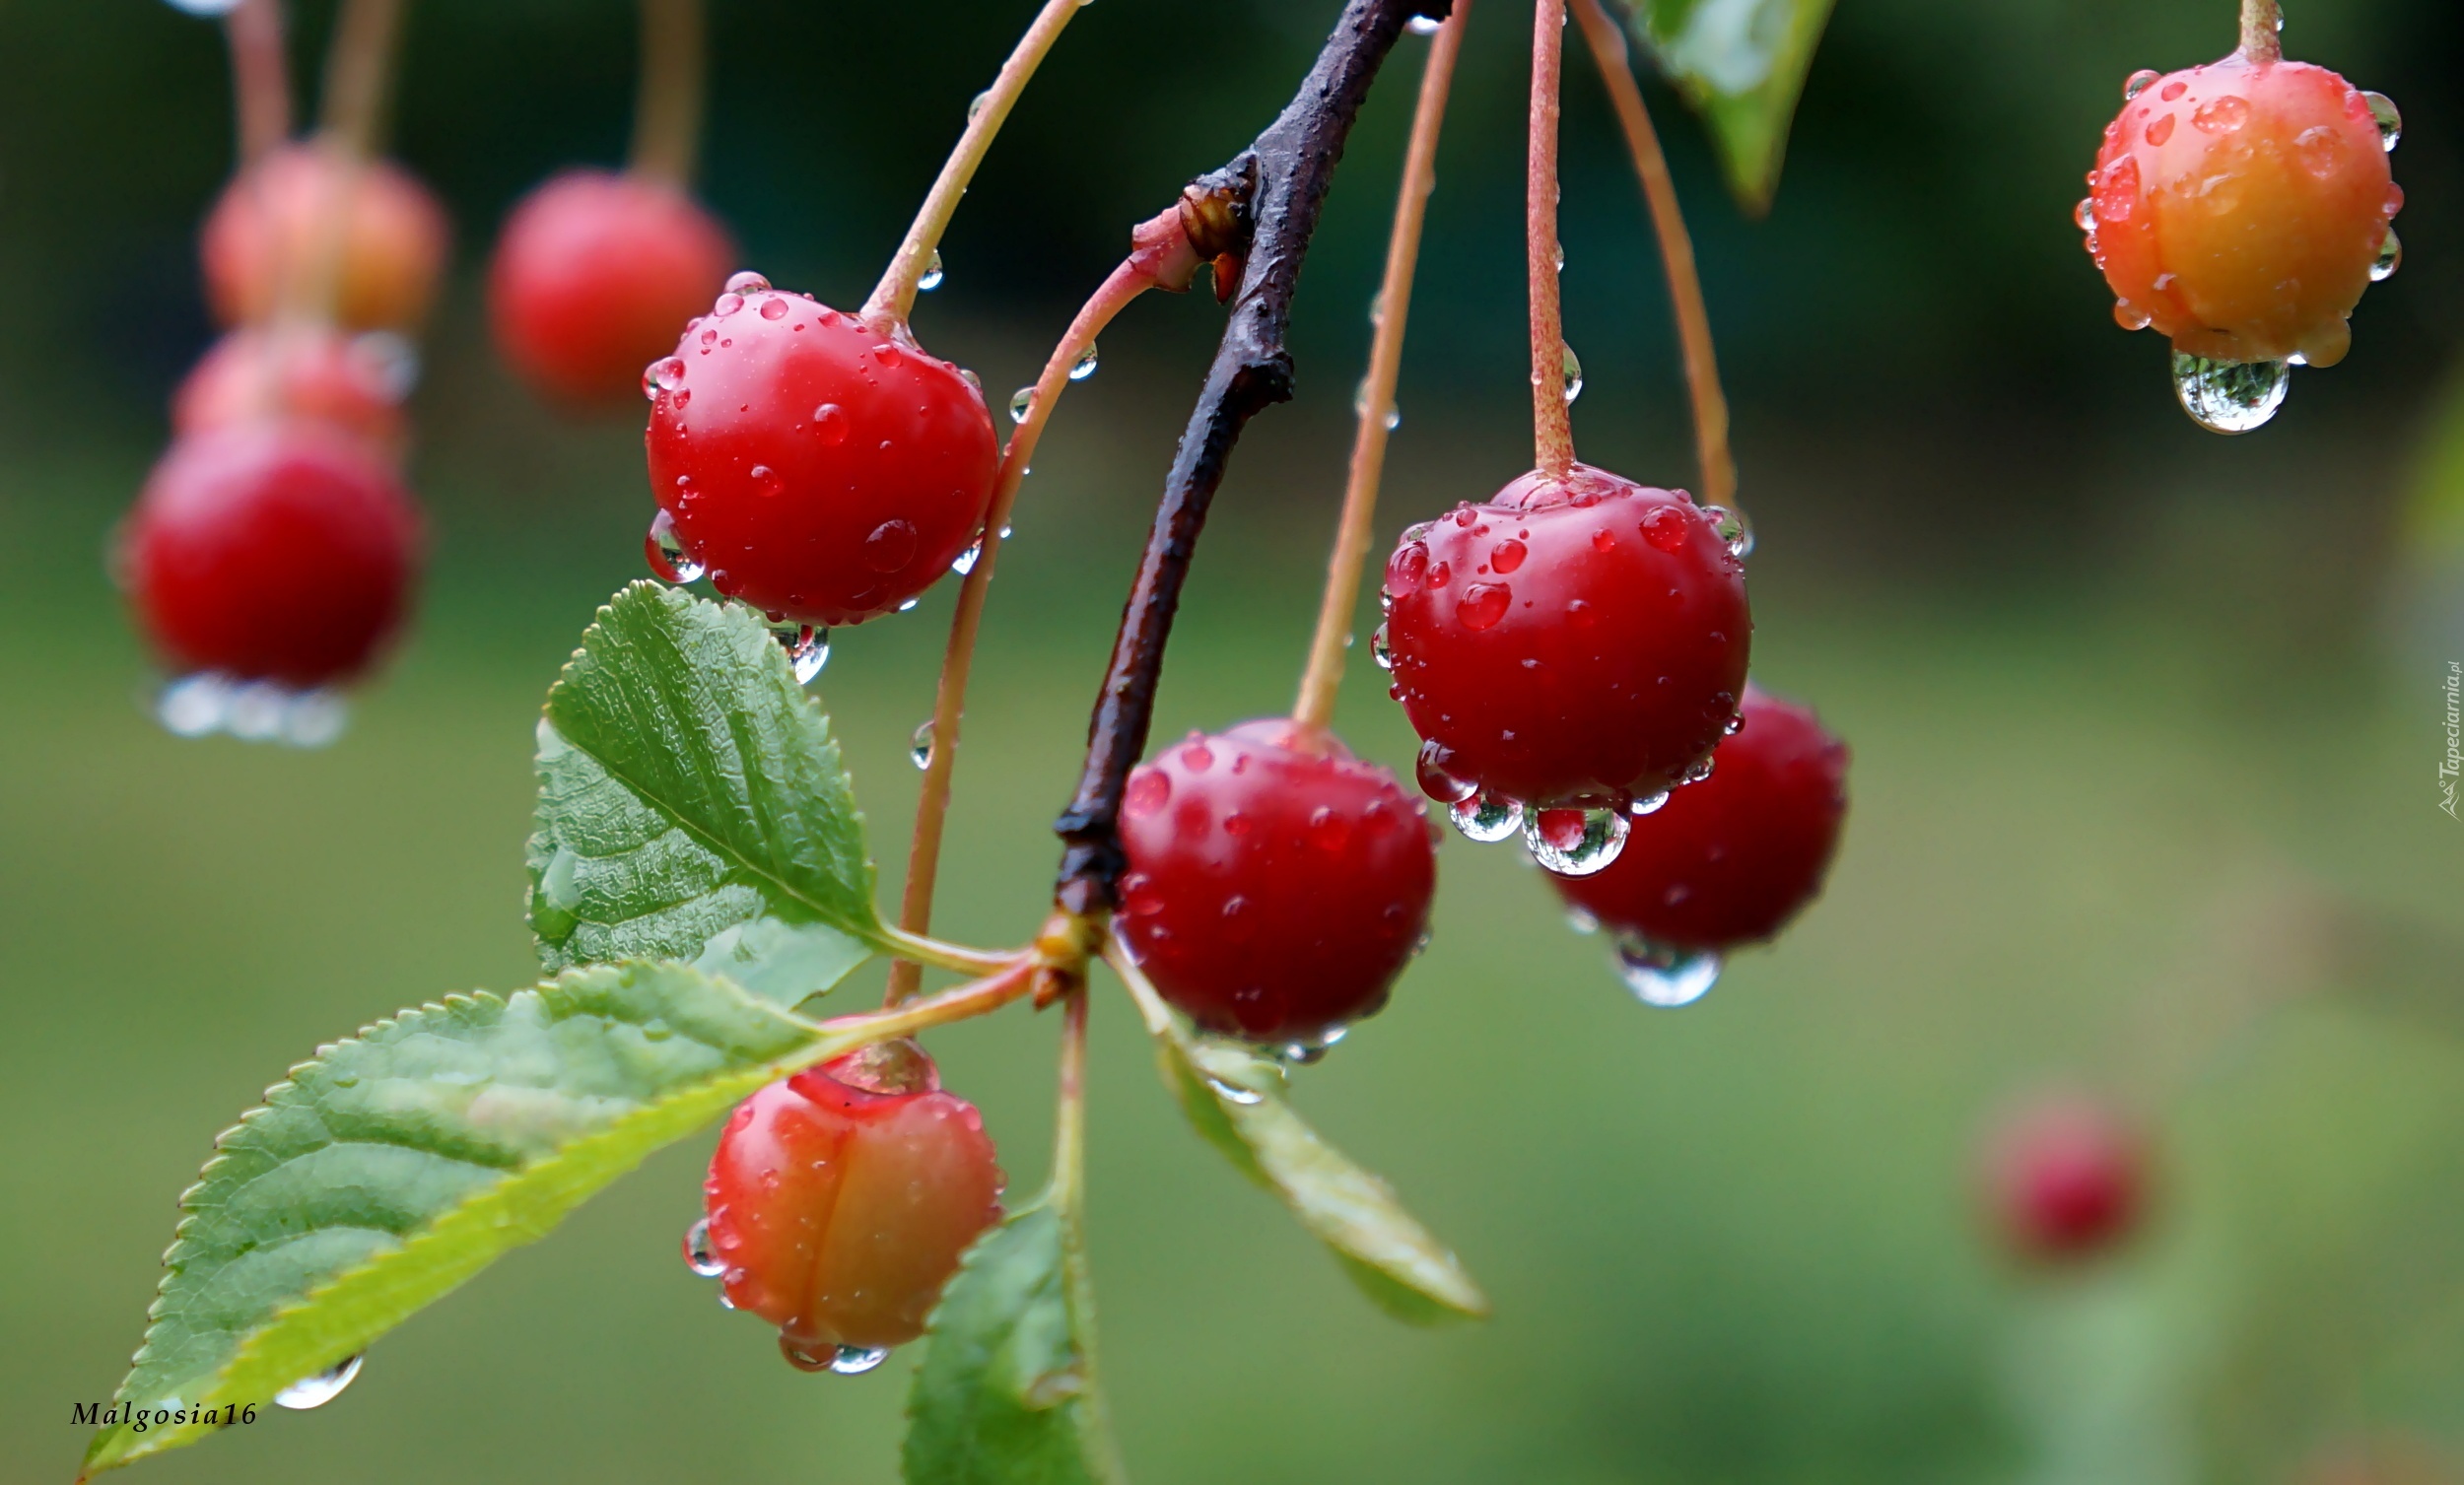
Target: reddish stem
(1552, 427)
(260, 77)
(668, 108)
(2261, 21)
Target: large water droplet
(1022, 402)
(1380, 650)
(965, 561)
(664, 551)
(747, 282)
(1486, 817)
(2230, 396)
(1573, 375)
(932, 274)
(1665, 976)
(1085, 366)
(315, 1391)
(808, 648)
(193, 705)
(664, 374)
(975, 106)
(1435, 781)
(1646, 804)
(2390, 258)
(1310, 1052)
(2139, 82)
(2384, 114)
(919, 746)
(699, 1253)
(1419, 26)
(1575, 843)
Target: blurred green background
(2145, 722)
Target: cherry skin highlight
(1730, 858)
(272, 226)
(2066, 1179)
(277, 550)
(594, 276)
(1576, 640)
(305, 372)
(2238, 208)
(840, 1199)
(818, 469)
(1276, 884)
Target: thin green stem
(2261, 23)
(668, 106)
(1011, 982)
(895, 295)
(1319, 684)
(1552, 427)
(260, 77)
(1068, 1188)
(945, 956)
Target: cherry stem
(2262, 21)
(1269, 194)
(1552, 425)
(1315, 707)
(1151, 263)
(668, 108)
(260, 77)
(351, 115)
(895, 295)
(1011, 981)
(1070, 1123)
(948, 956)
(1677, 253)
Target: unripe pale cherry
(2240, 208)
(1276, 884)
(1730, 858)
(276, 223)
(840, 1199)
(594, 276)
(2066, 1179)
(300, 370)
(274, 551)
(816, 468)
(1574, 642)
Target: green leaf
(395, 1166)
(1235, 1099)
(1741, 64)
(692, 806)
(1006, 1391)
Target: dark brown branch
(1282, 177)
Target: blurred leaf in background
(1741, 63)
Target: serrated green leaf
(1006, 1391)
(1235, 1099)
(692, 806)
(1741, 64)
(396, 1164)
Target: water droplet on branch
(2230, 396)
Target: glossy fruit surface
(840, 1199)
(271, 551)
(274, 223)
(308, 372)
(594, 275)
(2239, 208)
(1276, 883)
(1575, 640)
(2067, 1178)
(1730, 858)
(816, 469)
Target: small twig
(1552, 425)
(351, 118)
(1607, 40)
(1162, 256)
(260, 77)
(1315, 707)
(895, 295)
(1280, 181)
(2262, 21)
(668, 106)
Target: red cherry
(593, 274)
(2240, 207)
(2067, 1178)
(818, 469)
(1276, 884)
(274, 223)
(271, 551)
(840, 1199)
(1574, 642)
(310, 372)
(1730, 859)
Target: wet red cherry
(310, 372)
(2241, 208)
(818, 469)
(1276, 884)
(840, 1199)
(1730, 859)
(271, 551)
(2066, 1177)
(594, 275)
(275, 224)
(1569, 641)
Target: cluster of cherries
(272, 554)
(2241, 209)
